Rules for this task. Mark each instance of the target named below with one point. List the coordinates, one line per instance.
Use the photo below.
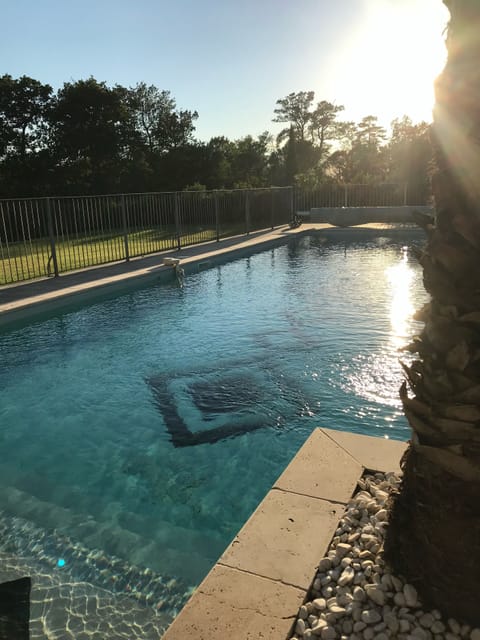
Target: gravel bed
(355, 596)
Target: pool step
(163, 557)
(58, 604)
(58, 555)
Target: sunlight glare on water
(376, 376)
(400, 277)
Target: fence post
(217, 223)
(51, 236)
(405, 189)
(125, 227)
(272, 203)
(247, 212)
(292, 203)
(345, 195)
(177, 221)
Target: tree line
(88, 137)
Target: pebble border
(354, 596)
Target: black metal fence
(48, 236)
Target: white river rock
(354, 597)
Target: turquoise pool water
(150, 425)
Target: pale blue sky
(232, 59)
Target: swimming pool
(150, 425)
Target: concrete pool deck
(273, 558)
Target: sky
(231, 60)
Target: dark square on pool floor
(206, 407)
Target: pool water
(150, 425)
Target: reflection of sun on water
(377, 376)
(400, 277)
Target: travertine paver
(231, 604)
(278, 542)
(375, 454)
(321, 469)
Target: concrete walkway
(255, 589)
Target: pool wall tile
(234, 604)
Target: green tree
(160, 124)
(360, 154)
(338, 166)
(25, 161)
(367, 160)
(24, 103)
(248, 161)
(323, 126)
(434, 532)
(217, 163)
(291, 160)
(88, 121)
(408, 158)
(369, 133)
(295, 110)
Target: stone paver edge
(201, 588)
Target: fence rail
(49, 236)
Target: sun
(388, 64)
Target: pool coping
(264, 575)
(25, 300)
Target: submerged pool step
(59, 556)
(58, 604)
(112, 538)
